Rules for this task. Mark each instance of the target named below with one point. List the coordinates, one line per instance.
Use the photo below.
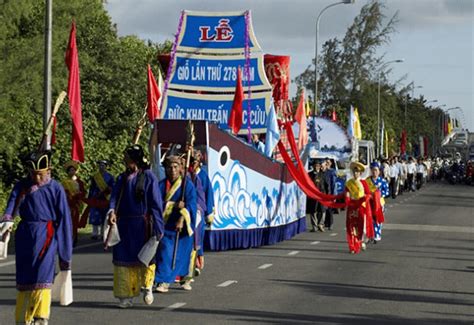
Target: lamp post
(316, 50)
(378, 101)
(455, 108)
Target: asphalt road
(421, 273)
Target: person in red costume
(359, 225)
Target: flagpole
(48, 35)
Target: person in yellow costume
(75, 192)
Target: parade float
(257, 201)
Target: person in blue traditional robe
(207, 215)
(102, 183)
(377, 182)
(180, 218)
(136, 208)
(44, 231)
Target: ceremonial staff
(189, 150)
(47, 130)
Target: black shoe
(312, 230)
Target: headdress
(70, 164)
(38, 160)
(357, 166)
(374, 164)
(136, 154)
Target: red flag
(403, 142)
(236, 112)
(153, 95)
(300, 118)
(425, 145)
(74, 95)
(334, 116)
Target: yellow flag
(450, 126)
(308, 109)
(356, 126)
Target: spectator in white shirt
(411, 170)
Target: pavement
(422, 272)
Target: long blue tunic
(209, 201)
(164, 272)
(139, 216)
(44, 230)
(96, 215)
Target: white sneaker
(364, 246)
(125, 303)
(148, 296)
(187, 285)
(162, 287)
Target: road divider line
(264, 266)
(315, 242)
(435, 228)
(88, 245)
(333, 234)
(176, 305)
(226, 283)
(293, 253)
(7, 263)
(75, 248)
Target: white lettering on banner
(217, 115)
(257, 116)
(176, 113)
(211, 73)
(183, 71)
(198, 72)
(195, 114)
(214, 73)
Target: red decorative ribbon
(49, 238)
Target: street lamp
(316, 50)
(431, 101)
(378, 102)
(411, 86)
(456, 108)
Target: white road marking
(176, 305)
(7, 263)
(436, 228)
(75, 248)
(315, 243)
(226, 283)
(264, 266)
(88, 245)
(333, 234)
(292, 253)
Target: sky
(435, 38)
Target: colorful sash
(101, 183)
(169, 207)
(356, 189)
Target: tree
(349, 75)
(113, 82)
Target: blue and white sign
(245, 199)
(217, 32)
(216, 108)
(216, 73)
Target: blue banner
(215, 32)
(216, 108)
(215, 73)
